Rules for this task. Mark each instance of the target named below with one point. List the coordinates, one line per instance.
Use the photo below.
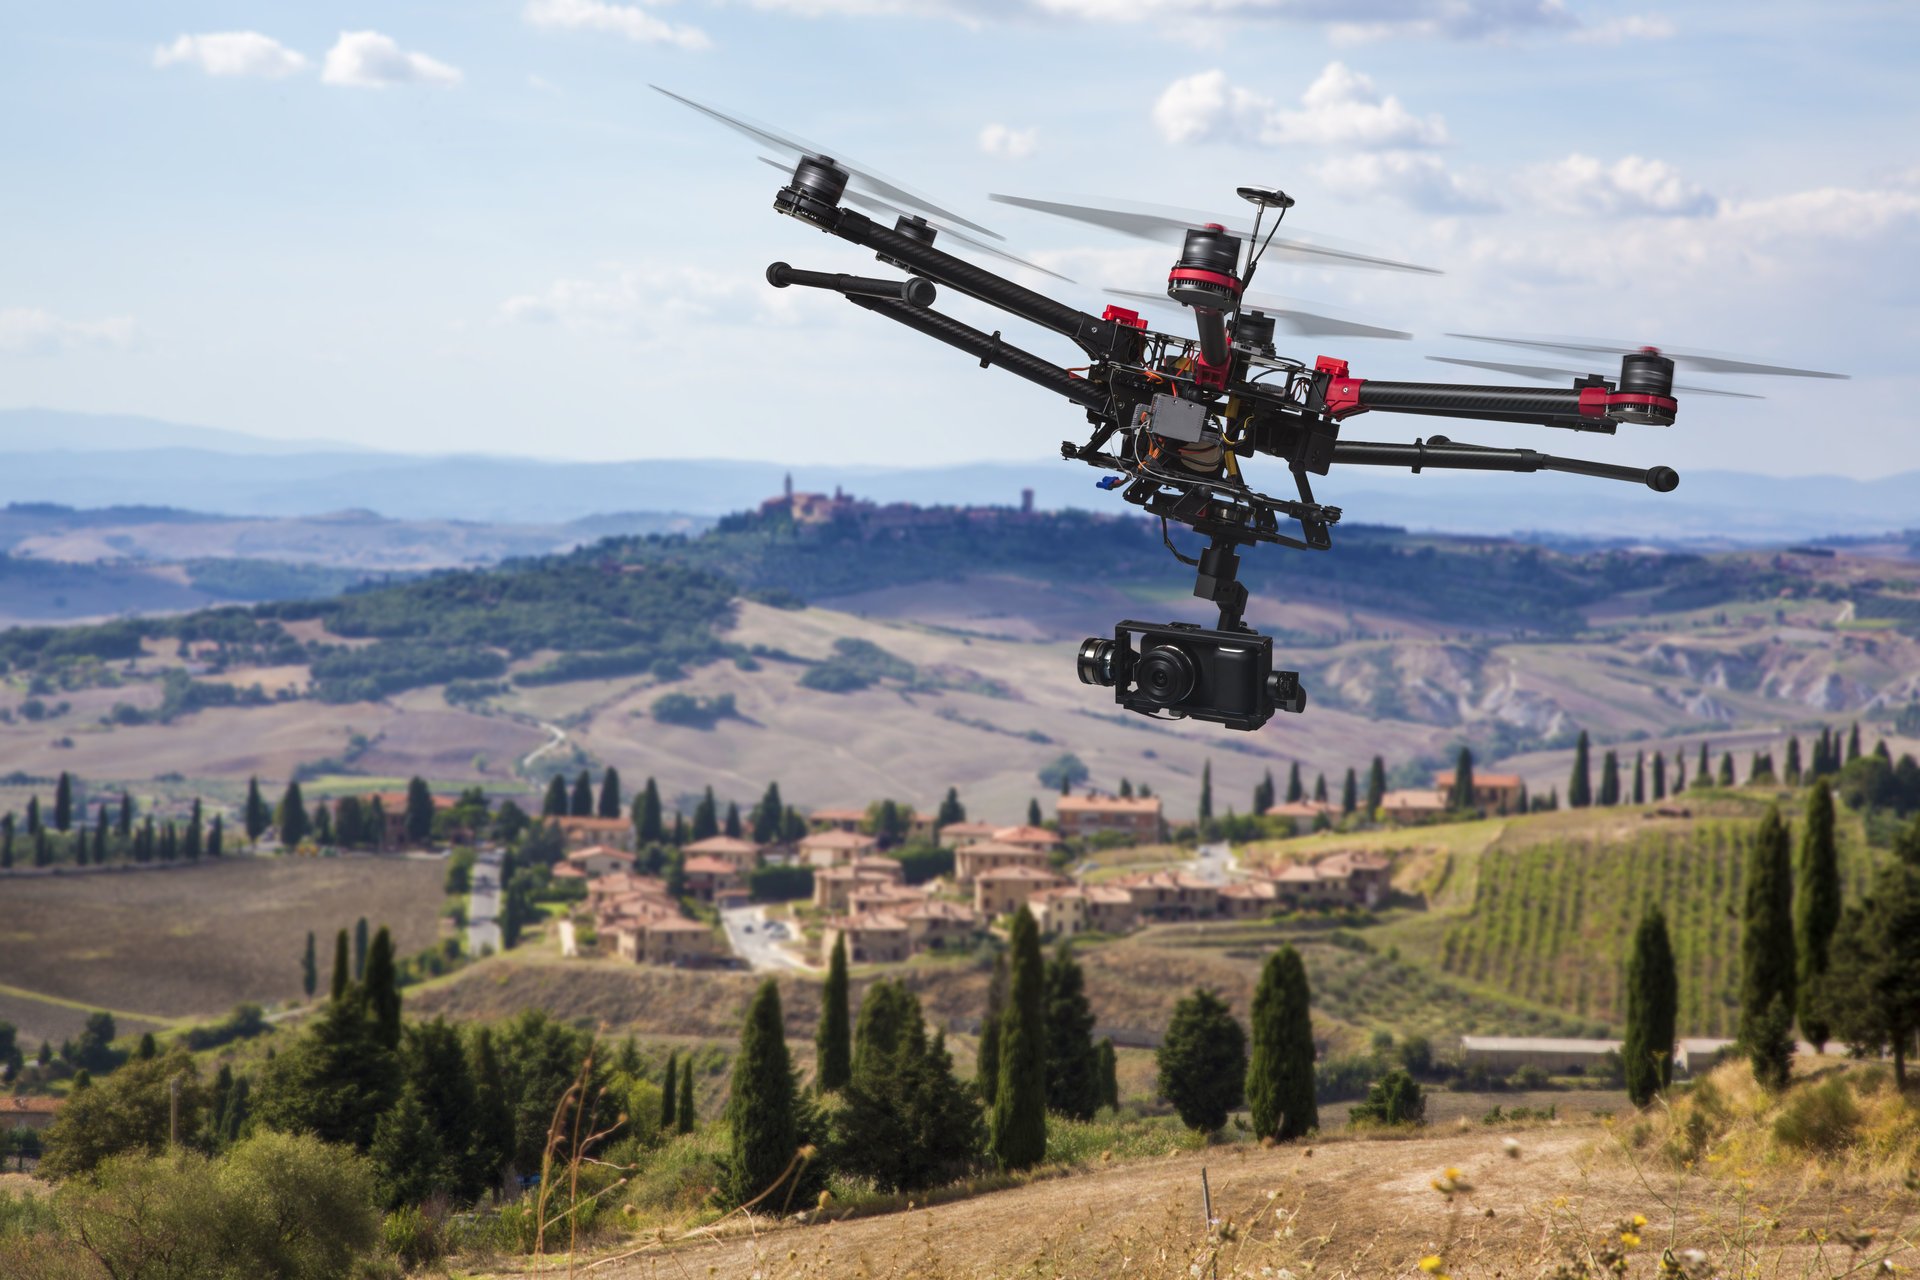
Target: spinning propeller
(1699, 361)
(1287, 314)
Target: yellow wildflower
(1431, 1264)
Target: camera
(1180, 669)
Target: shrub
(414, 1238)
(1394, 1099)
(1530, 1076)
(1822, 1118)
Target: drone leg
(1217, 581)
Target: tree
(1701, 776)
(1073, 1067)
(436, 1068)
(1393, 1099)
(684, 1112)
(1206, 793)
(706, 817)
(255, 814)
(490, 1146)
(1726, 769)
(382, 986)
(833, 1044)
(216, 836)
(1817, 909)
(1034, 816)
(581, 805)
(610, 793)
(767, 815)
(1610, 779)
(1109, 1073)
(1659, 776)
(341, 980)
(987, 1070)
(1279, 1087)
(1263, 794)
(196, 833)
(1793, 769)
(1853, 743)
(554, 805)
(360, 939)
(1639, 777)
(951, 810)
(1871, 991)
(309, 969)
(1580, 785)
(1376, 786)
(63, 802)
(129, 1112)
(1019, 1126)
(1203, 1061)
(1461, 798)
(33, 815)
(409, 1161)
(94, 1047)
(322, 831)
(761, 1110)
(291, 816)
(732, 826)
(1653, 1001)
(1350, 792)
(419, 811)
(647, 818)
(906, 1123)
(1767, 960)
(669, 1086)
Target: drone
(1173, 416)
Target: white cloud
(1340, 108)
(1417, 179)
(1634, 26)
(231, 53)
(1015, 144)
(648, 299)
(31, 331)
(628, 20)
(370, 60)
(1630, 187)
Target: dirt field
(1342, 1209)
(194, 941)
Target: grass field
(192, 941)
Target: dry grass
(194, 941)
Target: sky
(472, 227)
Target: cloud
(1340, 108)
(649, 299)
(1630, 187)
(628, 20)
(30, 331)
(232, 53)
(1417, 179)
(370, 60)
(1634, 26)
(1015, 144)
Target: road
(756, 940)
(483, 905)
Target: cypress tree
(685, 1102)
(126, 816)
(554, 805)
(706, 817)
(669, 1087)
(42, 852)
(987, 1072)
(1019, 1138)
(216, 840)
(360, 949)
(1295, 792)
(33, 815)
(1659, 776)
(1767, 959)
(406, 1154)
(1203, 1061)
(490, 1146)
(1793, 761)
(610, 793)
(169, 842)
(6, 841)
(1034, 816)
(1817, 909)
(383, 989)
(435, 1063)
(1580, 785)
(1073, 1068)
(679, 833)
(1460, 796)
(1679, 771)
(1376, 785)
(952, 811)
(322, 827)
(651, 829)
(1639, 777)
(1610, 779)
(1350, 792)
(732, 826)
(1263, 794)
(291, 818)
(767, 814)
(100, 837)
(1726, 768)
(1653, 999)
(581, 805)
(1279, 1086)
(257, 818)
(419, 811)
(889, 1020)
(1320, 788)
(309, 969)
(1109, 1073)
(832, 1042)
(1701, 775)
(340, 979)
(761, 1114)
(196, 833)
(63, 802)
(1853, 743)
(1206, 793)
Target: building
(1060, 913)
(836, 819)
(880, 938)
(29, 1112)
(1028, 838)
(743, 854)
(933, 925)
(709, 877)
(1249, 900)
(920, 828)
(579, 833)
(1136, 819)
(598, 860)
(1555, 1055)
(393, 816)
(836, 848)
(972, 860)
(1001, 891)
(1358, 878)
(1369, 875)
(1412, 807)
(874, 895)
(1492, 792)
(835, 887)
(668, 940)
(1171, 895)
(1305, 815)
(955, 834)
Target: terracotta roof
(1026, 835)
(838, 840)
(32, 1105)
(705, 866)
(850, 872)
(1354, 860)
(980, 830)
(998, 848)
(1425, 801)
(1301, 809)
(722, 845)
(934, 908)
(887, 866)
(1018, 873)
(868, 923)
(838, 815)
(567, 871)
(1108, 804)
(599, 851)
(1251, 889)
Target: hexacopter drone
(1172, 416)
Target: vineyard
(1552, 923)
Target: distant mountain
(92, 461)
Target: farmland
(190, 942)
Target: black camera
(1181, 669)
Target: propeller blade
(1286, 315)
(874, 204)
(1548, 374)
(870, 178)
(1703, 361)
(1159, 222)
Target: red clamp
(1121, 315)
(1343, 392)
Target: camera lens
(1165, 675)
(1096, 661)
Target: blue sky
(472, 227)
